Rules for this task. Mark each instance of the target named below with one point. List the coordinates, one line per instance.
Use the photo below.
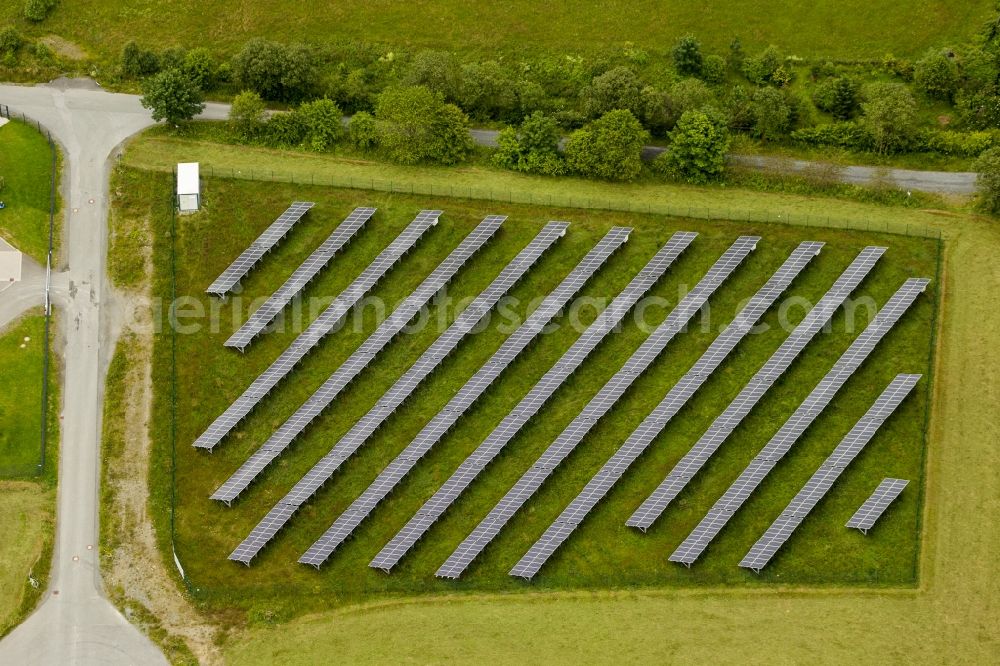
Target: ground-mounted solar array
(475, 451)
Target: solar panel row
(822, 481)
(612, 391)
(724, 425)
(873, 508)
(315, 332)
(530, 404)
(640, 439)
(309, 269)
(811, 407)
(349, 520)
(267, 240)
(362, 356)
(321, 472)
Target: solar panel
(762, 381)
(811, 407)
(616, 466)
(873, 508)
(321, 472)
(377, 341)
(315, 332)
(267, 240)
(348, 521)
(531, 403)
(823, 479)
(606, 398)
(311, 267)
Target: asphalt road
(75, 624)
(936, 182)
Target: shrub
(849, 135)
(200, 67)
(362, 131)
(246, 116)
(838, 97)
(173, 58)
(532, 148)
(285, 130)
(688, 60)
(38, 10)
(713, 70)
(771, 113)
(698, 147)
(10, 41)
(171, 96)
(889, 116)
(274, 70)
(962, 144)
(415, 125)
(687, 95)
(137, 62)
(760, 69)
(609, 148)
(988, 181)
(980, 111)
(936, 75)
(324, 122)
(738, 108)
(438, 71)
(618, 88)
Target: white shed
(188, 187)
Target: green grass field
(21, 346)
(603, 554)
(27, 517)
(25, 168)
(850, 29)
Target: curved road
(75, 624)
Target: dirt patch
(133, 568)
(63, 47)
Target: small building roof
(187, 178)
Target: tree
(617, 88)
(246, 115)
(608, 148)
(698, 147)
(274, 70)
(771, 114)
(137, 62)
(415, 125)
(438, 71)
(837, 96)
(200, 67)
(37, 10)
(531, 148)
(10, 41)
(936, 75)
(988, 181)
(489, 90)
(171, 96)
(363, 131)
(688, 60)
(889, 116)
(324, 123)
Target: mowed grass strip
(499, 187)
(604, 553)
(25, 171)
(21, 355)
(847, 29)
